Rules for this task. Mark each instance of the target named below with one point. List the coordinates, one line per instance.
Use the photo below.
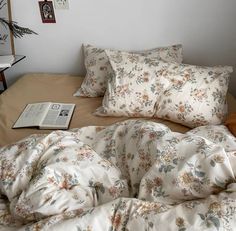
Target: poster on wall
(6, 39)
(61, 4)
(47, 12)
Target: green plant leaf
(175, 161)
(16, 30)
(182, 229)
(170, 167)
(202, 216)
(150, 224)
(215, 221)
(53, 202)
(219, 183)
(200, 174)
(78, 228)
(213, 164)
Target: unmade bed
(131, 175)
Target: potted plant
(16, 30)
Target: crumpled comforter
(133, 175)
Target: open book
(6, 60)
(46, 115)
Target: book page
(32, 115)
(58, 116)
(6, 60)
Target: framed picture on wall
(6, 37)
(61, 4)
(47, 11)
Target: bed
(190, 186)
(122, 169)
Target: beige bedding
(57, 88)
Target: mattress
(34, 88)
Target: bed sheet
(33, 88)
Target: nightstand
(17, 59)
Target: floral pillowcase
(99, 69)
(186, 94)
(197, 98)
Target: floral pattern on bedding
(186, 94)
(134, 88)
(99, 69)
(197, 95)
(122, 177)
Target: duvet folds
(133, 175)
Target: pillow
(186, 94)
(98, 67)
(197, 95)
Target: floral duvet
(133, 175)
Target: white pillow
(99, 69)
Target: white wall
(206, 28)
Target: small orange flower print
(186, 178)
(145, 97)
(116, 220)
(219, 159)
(157, 181)
(179, 221)
(215, 207)
(182, 108)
